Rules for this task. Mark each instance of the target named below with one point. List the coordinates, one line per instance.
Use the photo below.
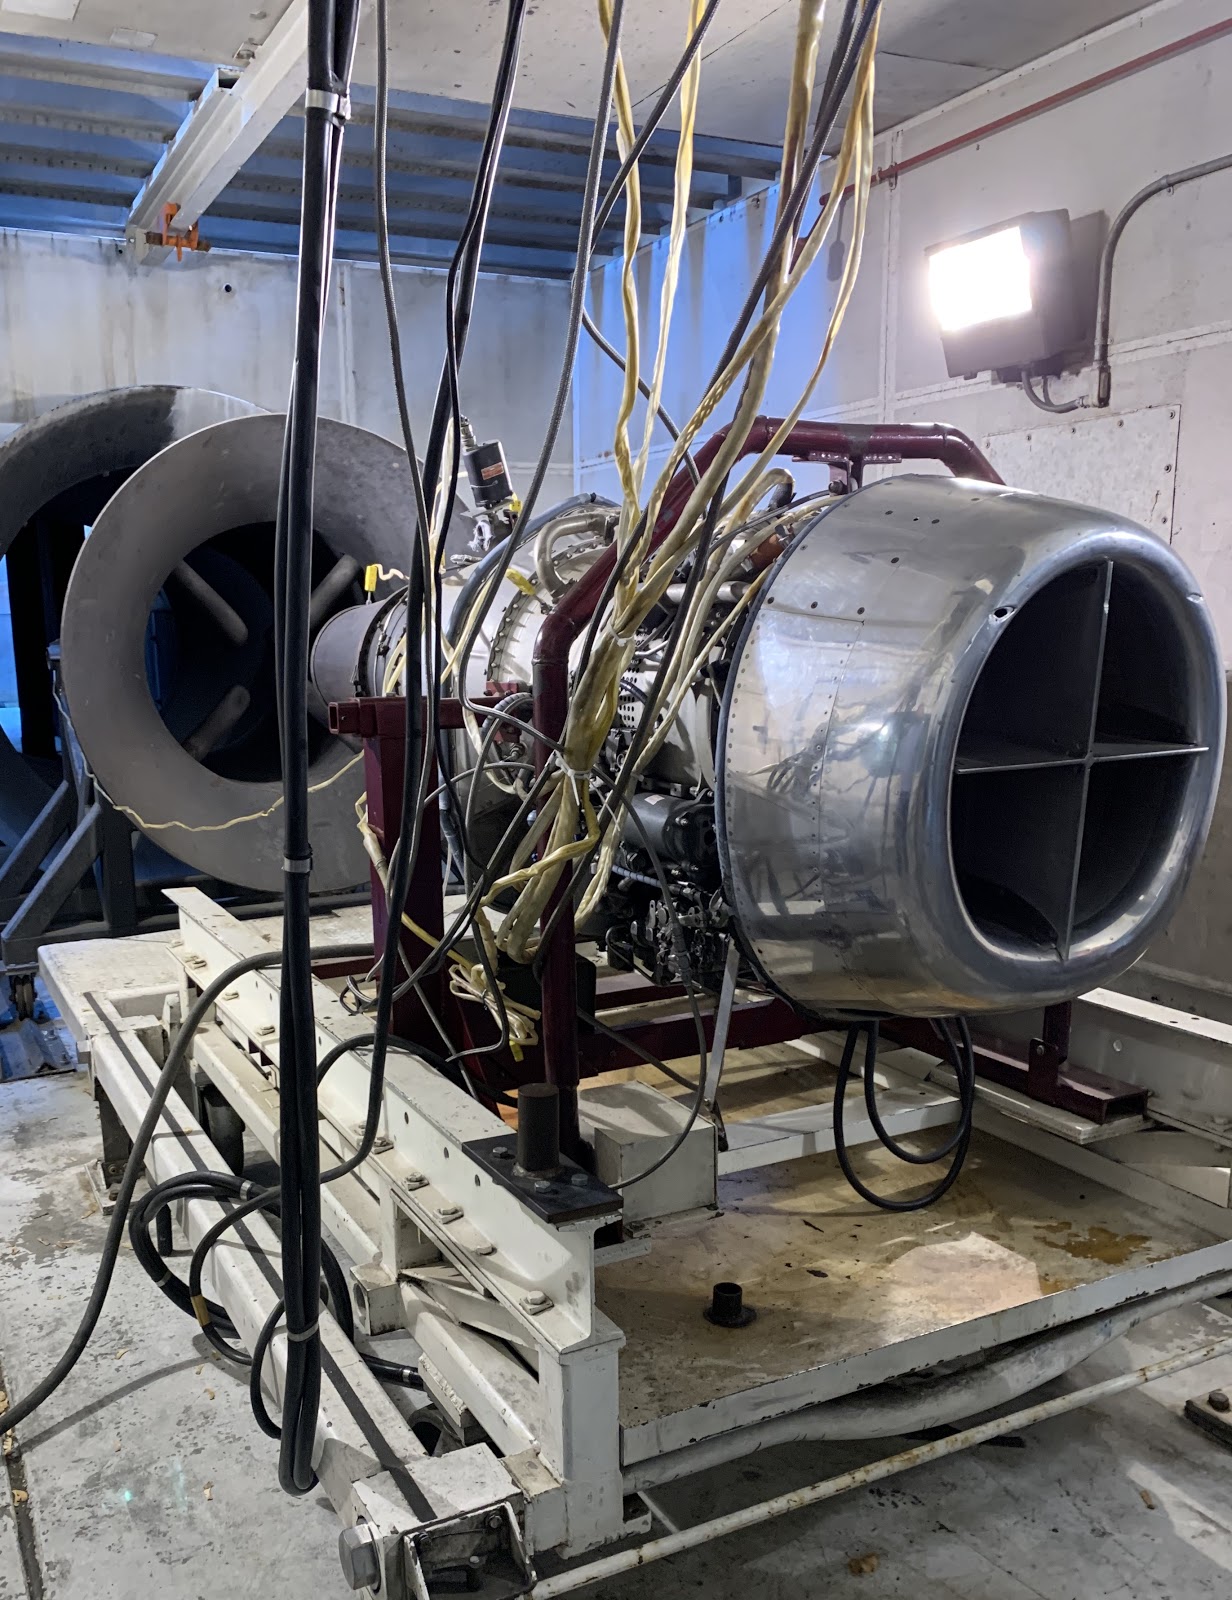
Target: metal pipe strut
(767, 1510)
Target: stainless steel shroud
(968, 751)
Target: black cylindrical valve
(538, 1129)
(488, 474)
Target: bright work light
(981, 280)
(1004, 297)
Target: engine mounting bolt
(501, 1152)
(535, 1301)
(361, 1561)
(495, 1522)
(542, 1186)
(1218, 1400)
(449, 1213)
(579, 1180)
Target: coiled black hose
(962, 1055)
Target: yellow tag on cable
(372, 577)
(202, 1309)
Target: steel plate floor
(146, 1476)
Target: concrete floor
(146, 1476)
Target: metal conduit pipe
(1103, 310)
(491, 560)
(890, 1412)
(586, 520)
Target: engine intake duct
(969, 751)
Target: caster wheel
(21, 992)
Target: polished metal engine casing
(968, 751)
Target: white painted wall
(76, 315)
(1172, 311)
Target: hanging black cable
(838, 55)
(419, 741)
(332, 26)
(962, 1128)
(963, 1057)
(214, 1322)
(654, 117)
(201, 1008)
(577, 300)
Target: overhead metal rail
(95, 141)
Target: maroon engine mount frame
(566, 1052)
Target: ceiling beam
(226, 126)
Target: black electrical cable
(433, 452)
(614, 355)
(577, 300)
(963, 1058)
(460, 286)
(221, 1187)
(340, 1306)
(19, 1410)
(591, 1021)
(841, 44)
(332, 30)
(653, 1060)
(385, 263)
(419, 742)
(185, 1186)
(962, 1128)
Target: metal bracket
(572, 1196)
(722, 1022)
(479, 1552)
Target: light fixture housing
(1004, 297)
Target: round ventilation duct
(56, 474)
(969, 750)
(167, 643)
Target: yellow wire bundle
(567, 824)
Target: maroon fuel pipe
(808, 441)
